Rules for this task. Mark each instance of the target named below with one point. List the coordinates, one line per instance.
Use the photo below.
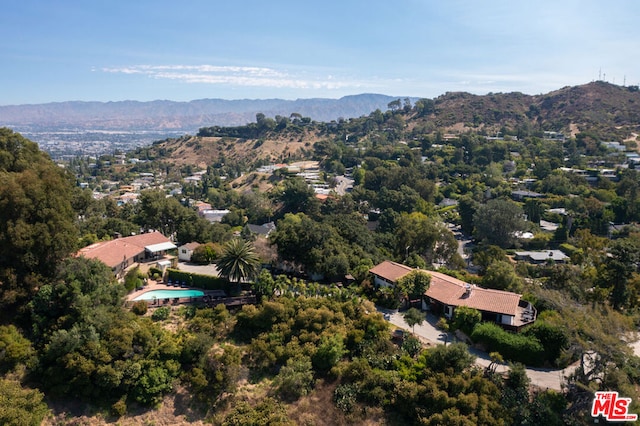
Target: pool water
(168, 294)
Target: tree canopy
(37, 222)
(498, 221)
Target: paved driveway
(199, 269)
(541, 377)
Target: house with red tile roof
(446, 293)
(387, 273)
(120, 253)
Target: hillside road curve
(543, 378)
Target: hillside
(608, 111)
(202, 151)
(597, 106)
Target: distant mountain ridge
(186, 116)
(597, 105)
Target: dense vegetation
(66, 334)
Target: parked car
(398, 335)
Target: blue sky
(145, 50)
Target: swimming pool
(168, 294)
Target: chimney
(468, 289)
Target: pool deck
(168, 301)
(151, 285)
(211, 298)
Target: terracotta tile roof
(391, 271)
(113, 252)
(452, 291)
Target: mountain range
(608, 109)
(181, 116)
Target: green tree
(295, 378)
(515, 394)
(454, 358)
(424, 235)
(265, 285)
(268, 412)
(37, 222)
(238, 261)
(533, 209)
(618, 270)
(20, 406)
(358, 176)
(319, 247)
(465, 318)
(204, 254)
(298, 197)
(330, 350)
(161, 313)
(498, 221)
(414, 284)
(15, 349)
(140, 307)
(156, 211)
(502, 275)
(467, 207)
(413, 317)
(487, 255)
(133, 278)
(547, 408)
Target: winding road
(543, 378)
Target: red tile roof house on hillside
(446, 293)
(120, 253)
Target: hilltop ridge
(601, 109)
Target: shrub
(539, 242)
(139, 308)
(345, 396)
(387, 298)
(15, 349)
(154, 272)
(466, 318)
(442, 324)
(454, 358)
(119, 408)
(161, 313)
(412, 346)
(513, 347)
(568, 249)
(330, 351)
(552, 337)
(207, 282)
(205, 254)
(295, 379)
(133, 279)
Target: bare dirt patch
(175, 409)
(573, 129)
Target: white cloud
(234, 75)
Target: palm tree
(239, 261)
